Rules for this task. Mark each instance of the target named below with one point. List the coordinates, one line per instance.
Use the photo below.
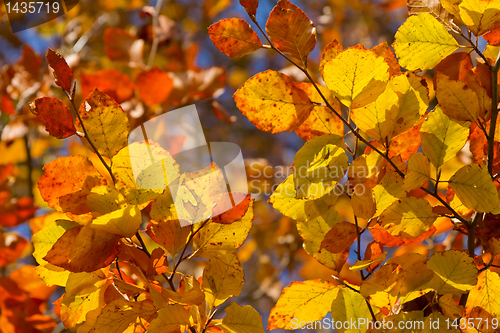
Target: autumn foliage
(397, 168)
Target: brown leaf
(340, 237)
(55, 116)
(83, 249)
(234, 37)
(110, 81)
(493, 37)
(373, 251)
(455, 66)
(386, 239)
(250, 6)
(62, 73)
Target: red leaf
(6, 105)
(62, 73)
(15, 211)
(55, 116)
(11, 246)
(110, 81)
(250, 6)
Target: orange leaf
(373, 251)
(455, 66)
(291, 31)
(110, 81)
(384, 51)
(234, 37)
(11, 247)
(493, 37)
(250, 6)
(83, 249)
(340, 237)
(154, 86)
(67, 182)
(330, 52)
(386, 239)
(62, 73)
(55, 116)
(15, 211)
(158, 262)
(6, 105)
(120, 45)
(234, 214)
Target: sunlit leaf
(62, 73)
(364, 264)
(55, 116)
(234, 37)
(340, 237)
(434, 8)
(291, 31)
(484, 295)
(106, 123)
(280, 108)
(350, 305)
(111, 82)
(319, 165)
(330, 52)
(304, 301)
(419, 172)
(363, 201)
(422, 42)
(408, 217)
(242, 319)
(388, 191)
(171, 318)
(123, 222)
(442, 137)
(456, 99)
(154, 86)
(250, 6)
(455, 272)
(480, 16)
(475, 188)
(356, 76)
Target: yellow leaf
(475, 188)
(43, 242)
(455, 272)
(415, 317)
(367, 169)
(84, 294)
(222, 278)
(302, 301)
(350, 306)
(363, 264)
(435, 8)
(356, 76)
(408, 217)
(234, 37)
(413, 100)
(171, 318)
(363, 201)
(291, 31)
(314, 219)
(153, 166)
(456, 99)
(106, 123)
(485, 295)
(319, 165)
(450, 308)
(215, 237)
(451, 7)
(436, 322)
(388, 191)
(242, 319)
(121, 315)
(330, 52)
(422, 42)
(419, 172)
(321, 121)
(124, 221)
(442, 137)
(480, 16)
(280, 108)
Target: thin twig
(29, 162)
(156, 41)
(88, 137)
(494, 113)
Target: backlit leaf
(434, 8)
(66, 183)
(408, 217)
(242, 319)
(480, 16)
(388, 191)
(442, 137)
(306, 301)
(291, 31)
(250, 6)
(484, 294)
(419, 172)
(234, 37)
(319, 165)
(222, 278)
(363, 201)
(330, 52)
(455, 272)
(111, 82)
(364, 264)
(340, 237)
(55, 116)
(62, 72)
(121, 46)
(422, 42)
(123, 222)
(349, 305)
(475, 188)
(171, 318)
(456, 99)
(321, 121)
(154, 86)
(356, 76)
(106, 123)
(272, 102)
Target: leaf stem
(88, 138)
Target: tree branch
(494, 113)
